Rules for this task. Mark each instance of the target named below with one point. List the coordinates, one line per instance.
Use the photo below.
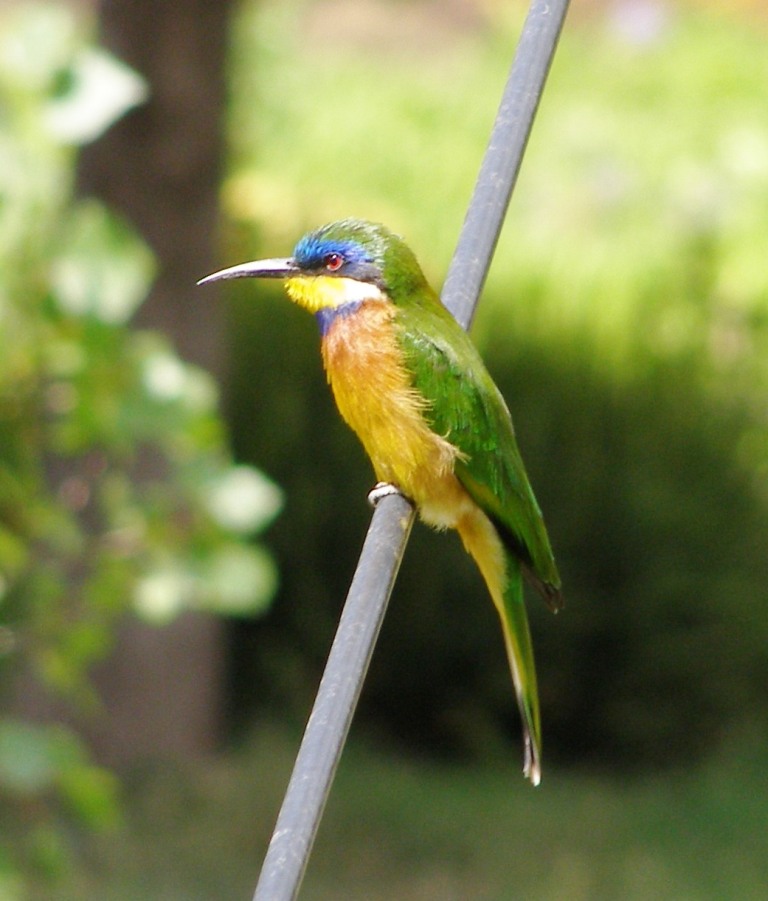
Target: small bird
(408, 380)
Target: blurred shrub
(116, 486)
(625, 319)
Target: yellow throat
(320, 292)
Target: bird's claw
(380, 490)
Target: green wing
(467, 408)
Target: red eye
(333, 262)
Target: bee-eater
(410, 383)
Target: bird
(408, 380)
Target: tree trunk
(159, 167)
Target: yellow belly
(374, 395)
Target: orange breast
(373, 392)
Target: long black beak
(278, 268)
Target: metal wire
(503, 156)
(289, 850)
(336, 700)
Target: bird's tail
(517, 637)
(503, 576)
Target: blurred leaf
(92, 794)
(12, 886)
(167, 379)
(49, 851)
(37, 41)
(242, 500)
(163, 592)
(97, 90)
(29, 756)
(14, 555)
(237, 580)
(103, 270)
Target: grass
(399, 828)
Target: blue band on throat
(328, 315)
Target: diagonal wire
(503, 156)
(288, 853)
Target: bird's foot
(380, 490)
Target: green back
(468, 409)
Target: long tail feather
(503, 576)
(517, 636)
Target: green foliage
(413, 830)
(624, 318)
(117, 490)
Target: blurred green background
(626, 321)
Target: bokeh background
(181, 509)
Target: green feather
(466, 407)
(517, 638)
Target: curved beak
(278, 268)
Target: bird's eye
(333, 262)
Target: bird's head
(339, 264)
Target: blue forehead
(312, 250)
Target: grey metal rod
(297, 824)
(340, 687)
(503, 156)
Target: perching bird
(410, 383)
